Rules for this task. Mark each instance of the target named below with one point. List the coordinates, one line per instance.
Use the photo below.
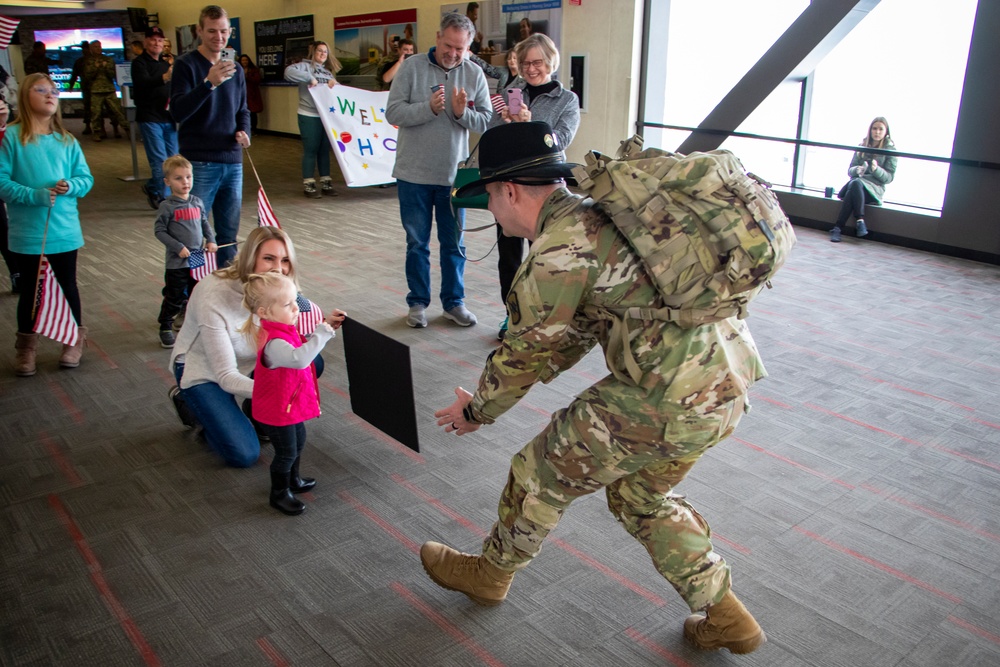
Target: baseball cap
(155, 31)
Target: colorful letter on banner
(362, 139)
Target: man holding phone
(390, 68)
(436, 100)
(208, 98)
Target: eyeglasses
(46, 91)
(532, 64)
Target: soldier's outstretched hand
(451, 417)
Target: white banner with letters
(363, 141)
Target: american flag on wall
(7, 28)
(53, 318)
(309, 316)
(201, 263)
(265, 214)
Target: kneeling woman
(210, 348)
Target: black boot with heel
(299, 484)
(282, 498)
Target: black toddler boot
(299, 484)
(281, 498)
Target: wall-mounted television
(63, 45)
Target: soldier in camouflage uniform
(99, 74)
(635, 440)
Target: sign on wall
(280, 43)
(188, 40)
(365, 43)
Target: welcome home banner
(362, 139)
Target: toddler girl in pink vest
(285, 390)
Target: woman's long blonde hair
(26, 119)
(260, 291)
(245, 262)
(331, 63)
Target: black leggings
(854, 202)
(510, 255)
(8, 258)
(288, 442)
(63, 267)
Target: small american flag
(309, 316)
(7, 28)
(201, 263)
(265, 214)
(498, 103)
(53, 317)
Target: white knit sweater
(209, 345)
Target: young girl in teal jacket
(42, 174)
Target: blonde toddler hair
(261, 291)
(175, 162)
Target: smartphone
(229, 54)
(514, 101)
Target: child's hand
(184, 253)
(336, 318)
(211, 247)
(61, 187)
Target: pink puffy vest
(283, 396)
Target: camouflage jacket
(99, 73)
(580, 270)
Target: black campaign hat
(516, 151)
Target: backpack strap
(619, 338)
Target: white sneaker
(461, 316)
(417, 317)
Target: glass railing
(819, 169)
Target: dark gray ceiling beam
(795, 54)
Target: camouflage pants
(100, 102)
(585, 448)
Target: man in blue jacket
(436, 99)
(208, 97)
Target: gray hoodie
(302, 73)
(182, 223)
(430, 147)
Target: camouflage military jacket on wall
(579, 269)
(99, 73)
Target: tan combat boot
(727, 625)
(71, 353)
(24, 359)
(479, 579)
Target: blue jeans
(416, 205)
(315, 147)
(219, 185)
(227, 430)
(160, 141)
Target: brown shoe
(24, 359)
(727, 625)
(479, 579)
(71, 353)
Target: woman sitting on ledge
(869, 174)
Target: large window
(905, 60)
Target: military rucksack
(709, 234)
